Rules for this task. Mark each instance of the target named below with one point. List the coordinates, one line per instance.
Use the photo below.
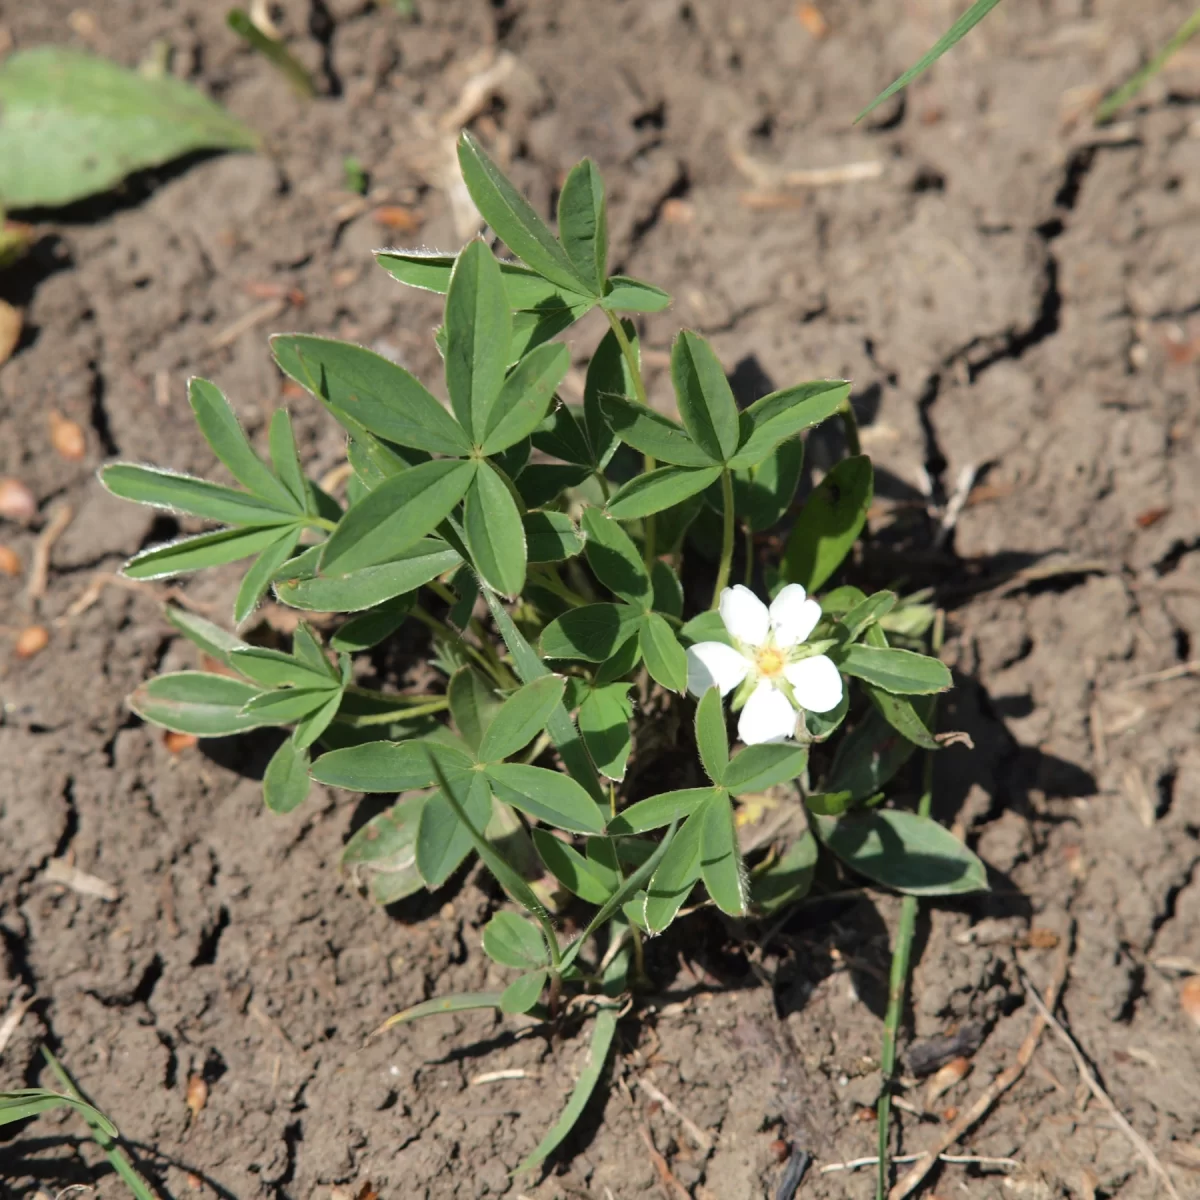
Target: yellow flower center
(770, 661)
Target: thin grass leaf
(274, 51)
(1114, 101)
(28, 1102)
(466, 1002)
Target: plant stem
(726, 538)
(898, 978)
(548, 578)
(850, 425)
(399, 714)
(321, 523)
(748, 534)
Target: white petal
(767, 717)
(713, 664)
(793, 617)
(815, 682)
(745, 615)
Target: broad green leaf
(762, 494)
(665, 658)
(829, 804)
(562, 434)
(374, 392)
(286, 780)
(373, 461)
(660, 810)
(478, 331)
(904, 851)
(614, 558)
(652, 433)
(593, 633)
(383, 852)
(495, 534)
(632, 295)
(465, 585)
(525, 396)
(204, 550)
(212, 639)
(840, 600)
(604, 718)
(577, 874)
(583, 223)
(543, 483)
(821, 726)
(274, 669)
(902, 672)
(285, 458)
(473, 704)
(523, 993)
(549, 796)
(955, 33)
(679, 869)
(258, 578)
(466, 1002)
(223, 433)
(787, 879)
(668, 590)
(75, 125)
(721, 861)
(783, 415)
(871, 754)
(311, 726)
(390, 766)
(866, 613)
(829, 523)
(399, 512)
(373, 626)
(902, 717)
(290, 704)
(608, 374)
(705, 627)
(513, 218)
(521, 718)
(711, 738)
(526, 290)
(198, 703)
(515, 942)
(659, 489)
(603, 1029)
(619, 665)
(306, 646)
(355, 590)
(442, 839)
(551, 537)
(757, 768)
(704, 396)
(186, 494)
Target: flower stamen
(770, 661)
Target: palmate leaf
(901, 672)
(583, 223)
(203, 550)
(652, 433)
(258, 578)
(547, 795)
(520, 718)
(286, 780)
(515, 942)
(576, 873)
(659, 489)
(665, 658)
(608, 374)
(524, 397)
(551, 537)
(494, 533)
(382, 852)
(604, 717)
(623, 294)
(593, 633)
(614, 559)
(197, 702)
(783, 415)
(186, 494)
(704, 396)
(721, 864)
(443, 841)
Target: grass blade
(446, 1004)
(1109, 106)
(275, 52)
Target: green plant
(544, 557)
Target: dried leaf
(33, 639)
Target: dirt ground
(1013, 292)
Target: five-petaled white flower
(769, 656)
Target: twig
(955, 505)
(12, 1018)
(910, 1182)
(499, 1076)
(1176, 672)
(702, 1140)
(39, 570)
(665, 1176)
(59, 870)
(965, 1159)
(266, 311)
(92, 593)
(1088, 1076)
(766, 177)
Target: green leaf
(183, 493)
(656, 490)
(373, 392)
(788, 879)
(721, 861)
(522, 994)
(829, 804)
(549, 796)
(705, 627)
(466, 1002)
(783, 415)
(443, 841)
(660, 810)
(525, 396)
(583, 223)
(374, 626)
(223, 433)
(290, 704)
(543, 483)
(577, 874)
(390, 766)
(902, 672)
(513, 218)
(355, 590)
(608, 374)
(679, 869)
(525, 288)
(495, 535)
(867, 613)
(604, 718)
(711, 738)
(705, 398)
(904, 851)
(551, 537)
(870, 755)
(652, 433)
(274, 669)
(212, 639)
(515, 942)
(592, 633)
(829, 524)
(821, 726)
(382, 853)
(275, 51)
(762, 494)
(632, 295)
(759, 767)
(668, 590)
(614, 558)
(521, 718)
(955, 33)
(204, 550)
(620, 664)
(603, 1029)
(1116, 100)
(310, 727)
(478, 331)
(562, 434)
(399, 512)
(28, 1102)
(282, 442)
(286, 781)
(256, 580)
(198, 703)
(473, 704)
(75, 125)
(665, 658)
(902, 717)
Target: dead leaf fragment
(67, 437)
(177, 743)
(197, 1095)
(813, 20)
(33, 639)
(1189, 998)
(398, 219)
(17, 502)
(945, 1078)
(10, 330)
(10, 564)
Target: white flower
(768, 655)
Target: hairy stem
(726, 537)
